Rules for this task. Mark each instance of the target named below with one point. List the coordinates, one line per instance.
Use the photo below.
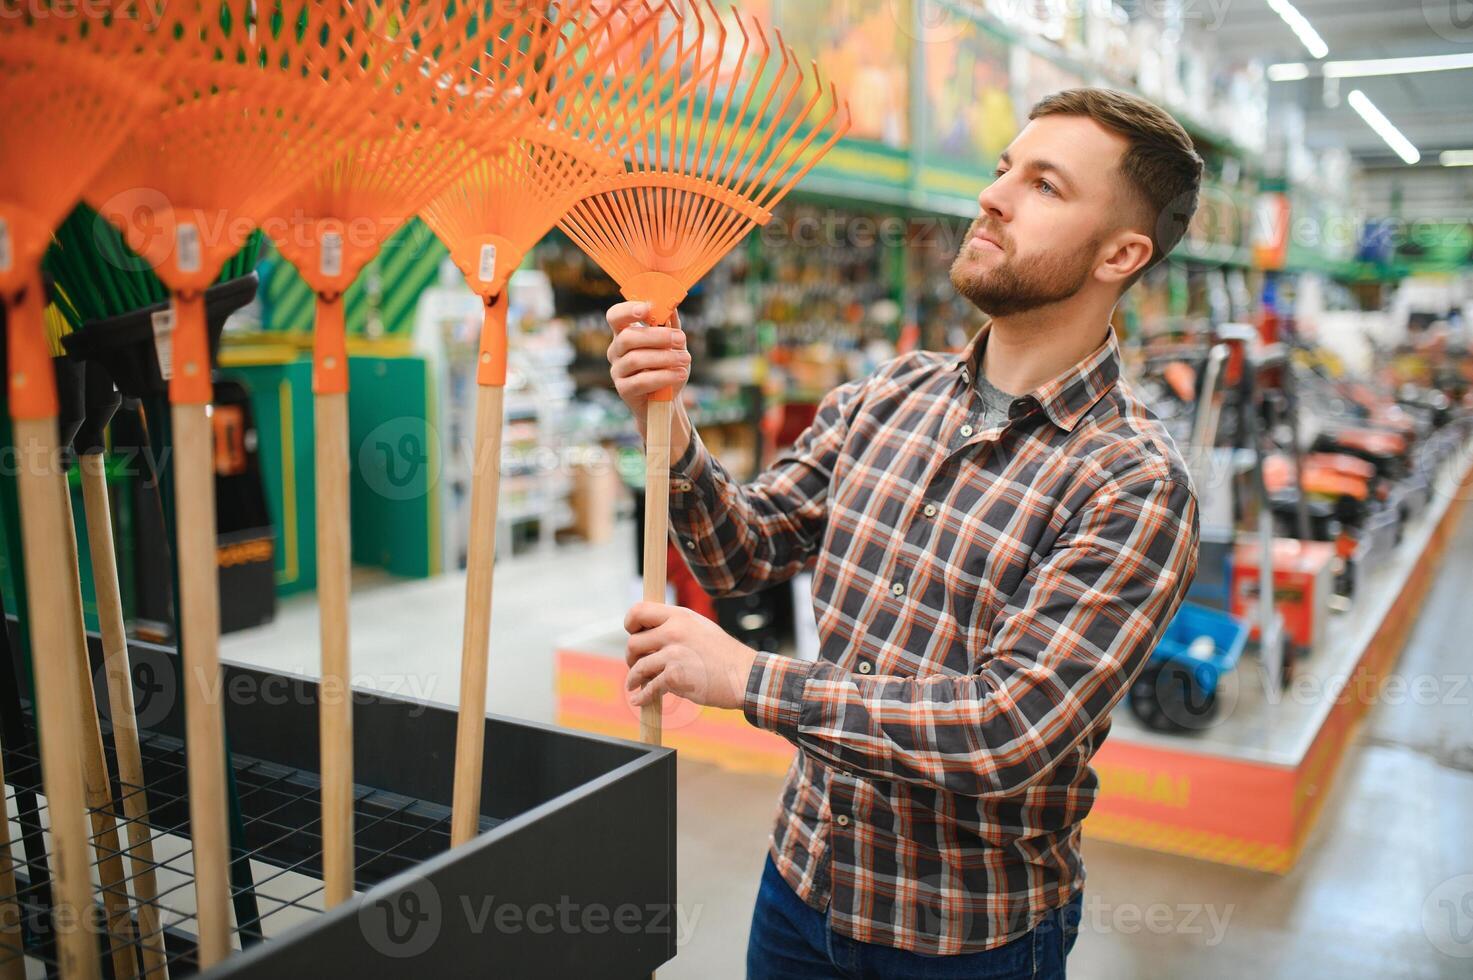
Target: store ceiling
(1433, 109)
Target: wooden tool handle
(470, 731)
(97, 786)
(53, 638)
(656, 531)
(335, 695)
(124, 717)
(199, 634)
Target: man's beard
(1017, 286)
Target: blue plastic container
(1192, 622)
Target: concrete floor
(1384, 888)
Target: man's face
(1055, 199)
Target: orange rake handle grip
(32, 385)
(491, 361)
(191, 383)
(663, 294)
(330, 346)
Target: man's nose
(994, 200)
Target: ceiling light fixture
(1397, 66)
(1301, 27)
(1376, 120)
(1456, 158)
(1289, 71)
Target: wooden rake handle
(334, 588)
(97, 787)
(54, 640)
(475, 646)
(656, 531)
(199, 627)
(124, 716)
(41, 488)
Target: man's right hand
(645, 359)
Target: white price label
(332, 254)
(186, 242)
(163, 341)
(487, 271)
(7, 255)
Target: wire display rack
(281, 809)
(551, 798)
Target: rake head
(62, 112)
(421, 135)
(746, 128)
(245, 102)
(587, 116)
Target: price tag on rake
(734, 142)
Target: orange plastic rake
(53, 100)
(244, 95)
(333, 225)
(583, 121)
(736, 142)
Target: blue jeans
(790, 941)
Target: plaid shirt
(984, 597)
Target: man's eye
(998, 173)
(1046, 187)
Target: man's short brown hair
(1161, 167)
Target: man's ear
(1122, 255)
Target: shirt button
(966, 376)
(841, 820)
(930, 510)
(1020, 407)
(864, 667)
(898, 588)
(967, 431)
(690, 545)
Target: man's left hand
(675, 650)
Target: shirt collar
(1067, 396)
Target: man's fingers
(646, 670)
(623, 315)
(646, 616)
(643, 643)
(645, 338)
(637, 362)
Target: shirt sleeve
(738, 539)
(1060, 655)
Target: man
(997, 538)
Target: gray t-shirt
(995, 403)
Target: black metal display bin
(572, 875)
